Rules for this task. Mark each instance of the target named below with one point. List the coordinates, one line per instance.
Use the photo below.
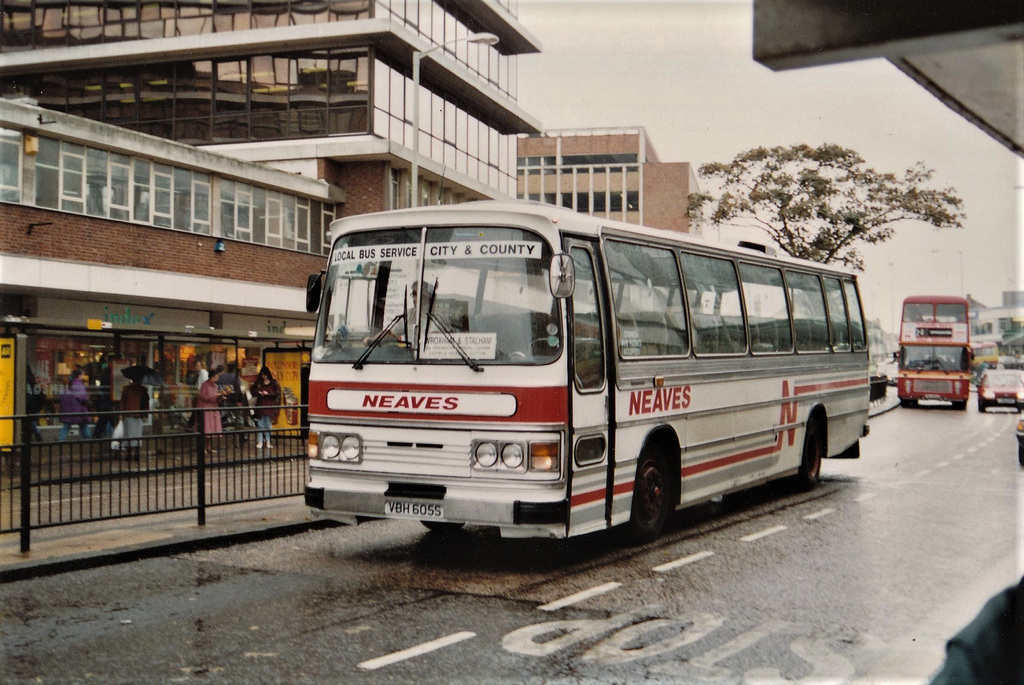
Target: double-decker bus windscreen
(934, 358)
(440, 295)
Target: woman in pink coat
(209, 403)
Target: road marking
(418, 650)
(972, 450)
(922, 474)
(866, 497)
(959, 457)
(818, 514)
(763, 534)
(668, 566)
(942, 465)
(579, 597)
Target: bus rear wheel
(810, 462)
(651, 501)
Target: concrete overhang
(388, 36)
(489, 16)
(968, 55)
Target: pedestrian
(231, 388)
(135, 408)
(198, 375)
(267, 392)
(105, 401)
(209, 402)
(74, 407)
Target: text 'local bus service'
(551, 374)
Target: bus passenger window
(767, 310)
(588, 341)
(713, 292)
(838, 322)
(809, 320)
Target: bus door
(589, 463)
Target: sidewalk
(87, 545)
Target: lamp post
(480, 38)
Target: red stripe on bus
(834, 385)
(733, 459)
(533, 405)
(587, 498)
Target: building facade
(610, 173)
(168, 167)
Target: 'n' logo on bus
(787, 415)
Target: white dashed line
(942, 465)
(922, 474)
(418, 650)
(959, 457)
(764, 533)
(579, 597)
(866, 497)
(818, 514)
(668, 566)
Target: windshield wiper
(446, 333)
(377, 341)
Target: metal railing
(171, 467)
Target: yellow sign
(6, 391)
(286, 365)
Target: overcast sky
(683, 70)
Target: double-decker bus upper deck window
(858, 331)
(440, 295)
(648, 300)
(838, 321)
(764, 294)
(810, 323)
(716, 314)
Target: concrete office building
(173, 167)
(611, 173)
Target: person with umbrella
(135, 405)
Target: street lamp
(479, 38)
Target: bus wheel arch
(814, 450)
(656, 486)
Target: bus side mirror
(562, 276)
(314, 286)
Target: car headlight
(486, 454)
(988, 394)
(512, 455)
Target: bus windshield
(444, 295)
(933, 358)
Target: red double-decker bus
(935, 351)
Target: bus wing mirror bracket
(562, 276)
(314, 287)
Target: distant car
(1001, 389)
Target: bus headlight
(512, 455)
(352, 448)
(330, 446)
(486, 454)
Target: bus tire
(442, 527)
(810, 461)
(651, 500)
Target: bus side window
(588, 340)
(839, 322)
(716, 313)
(809, 319)
(764, 293)
(857, 328)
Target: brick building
(613, 173)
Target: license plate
(413, 510)
(1006, 400)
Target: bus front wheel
(810, 462)
(651, 501)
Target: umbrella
(142, 374)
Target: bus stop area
(87, 545)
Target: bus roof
(935, 299)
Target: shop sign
(6, 391)
(286, 366)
